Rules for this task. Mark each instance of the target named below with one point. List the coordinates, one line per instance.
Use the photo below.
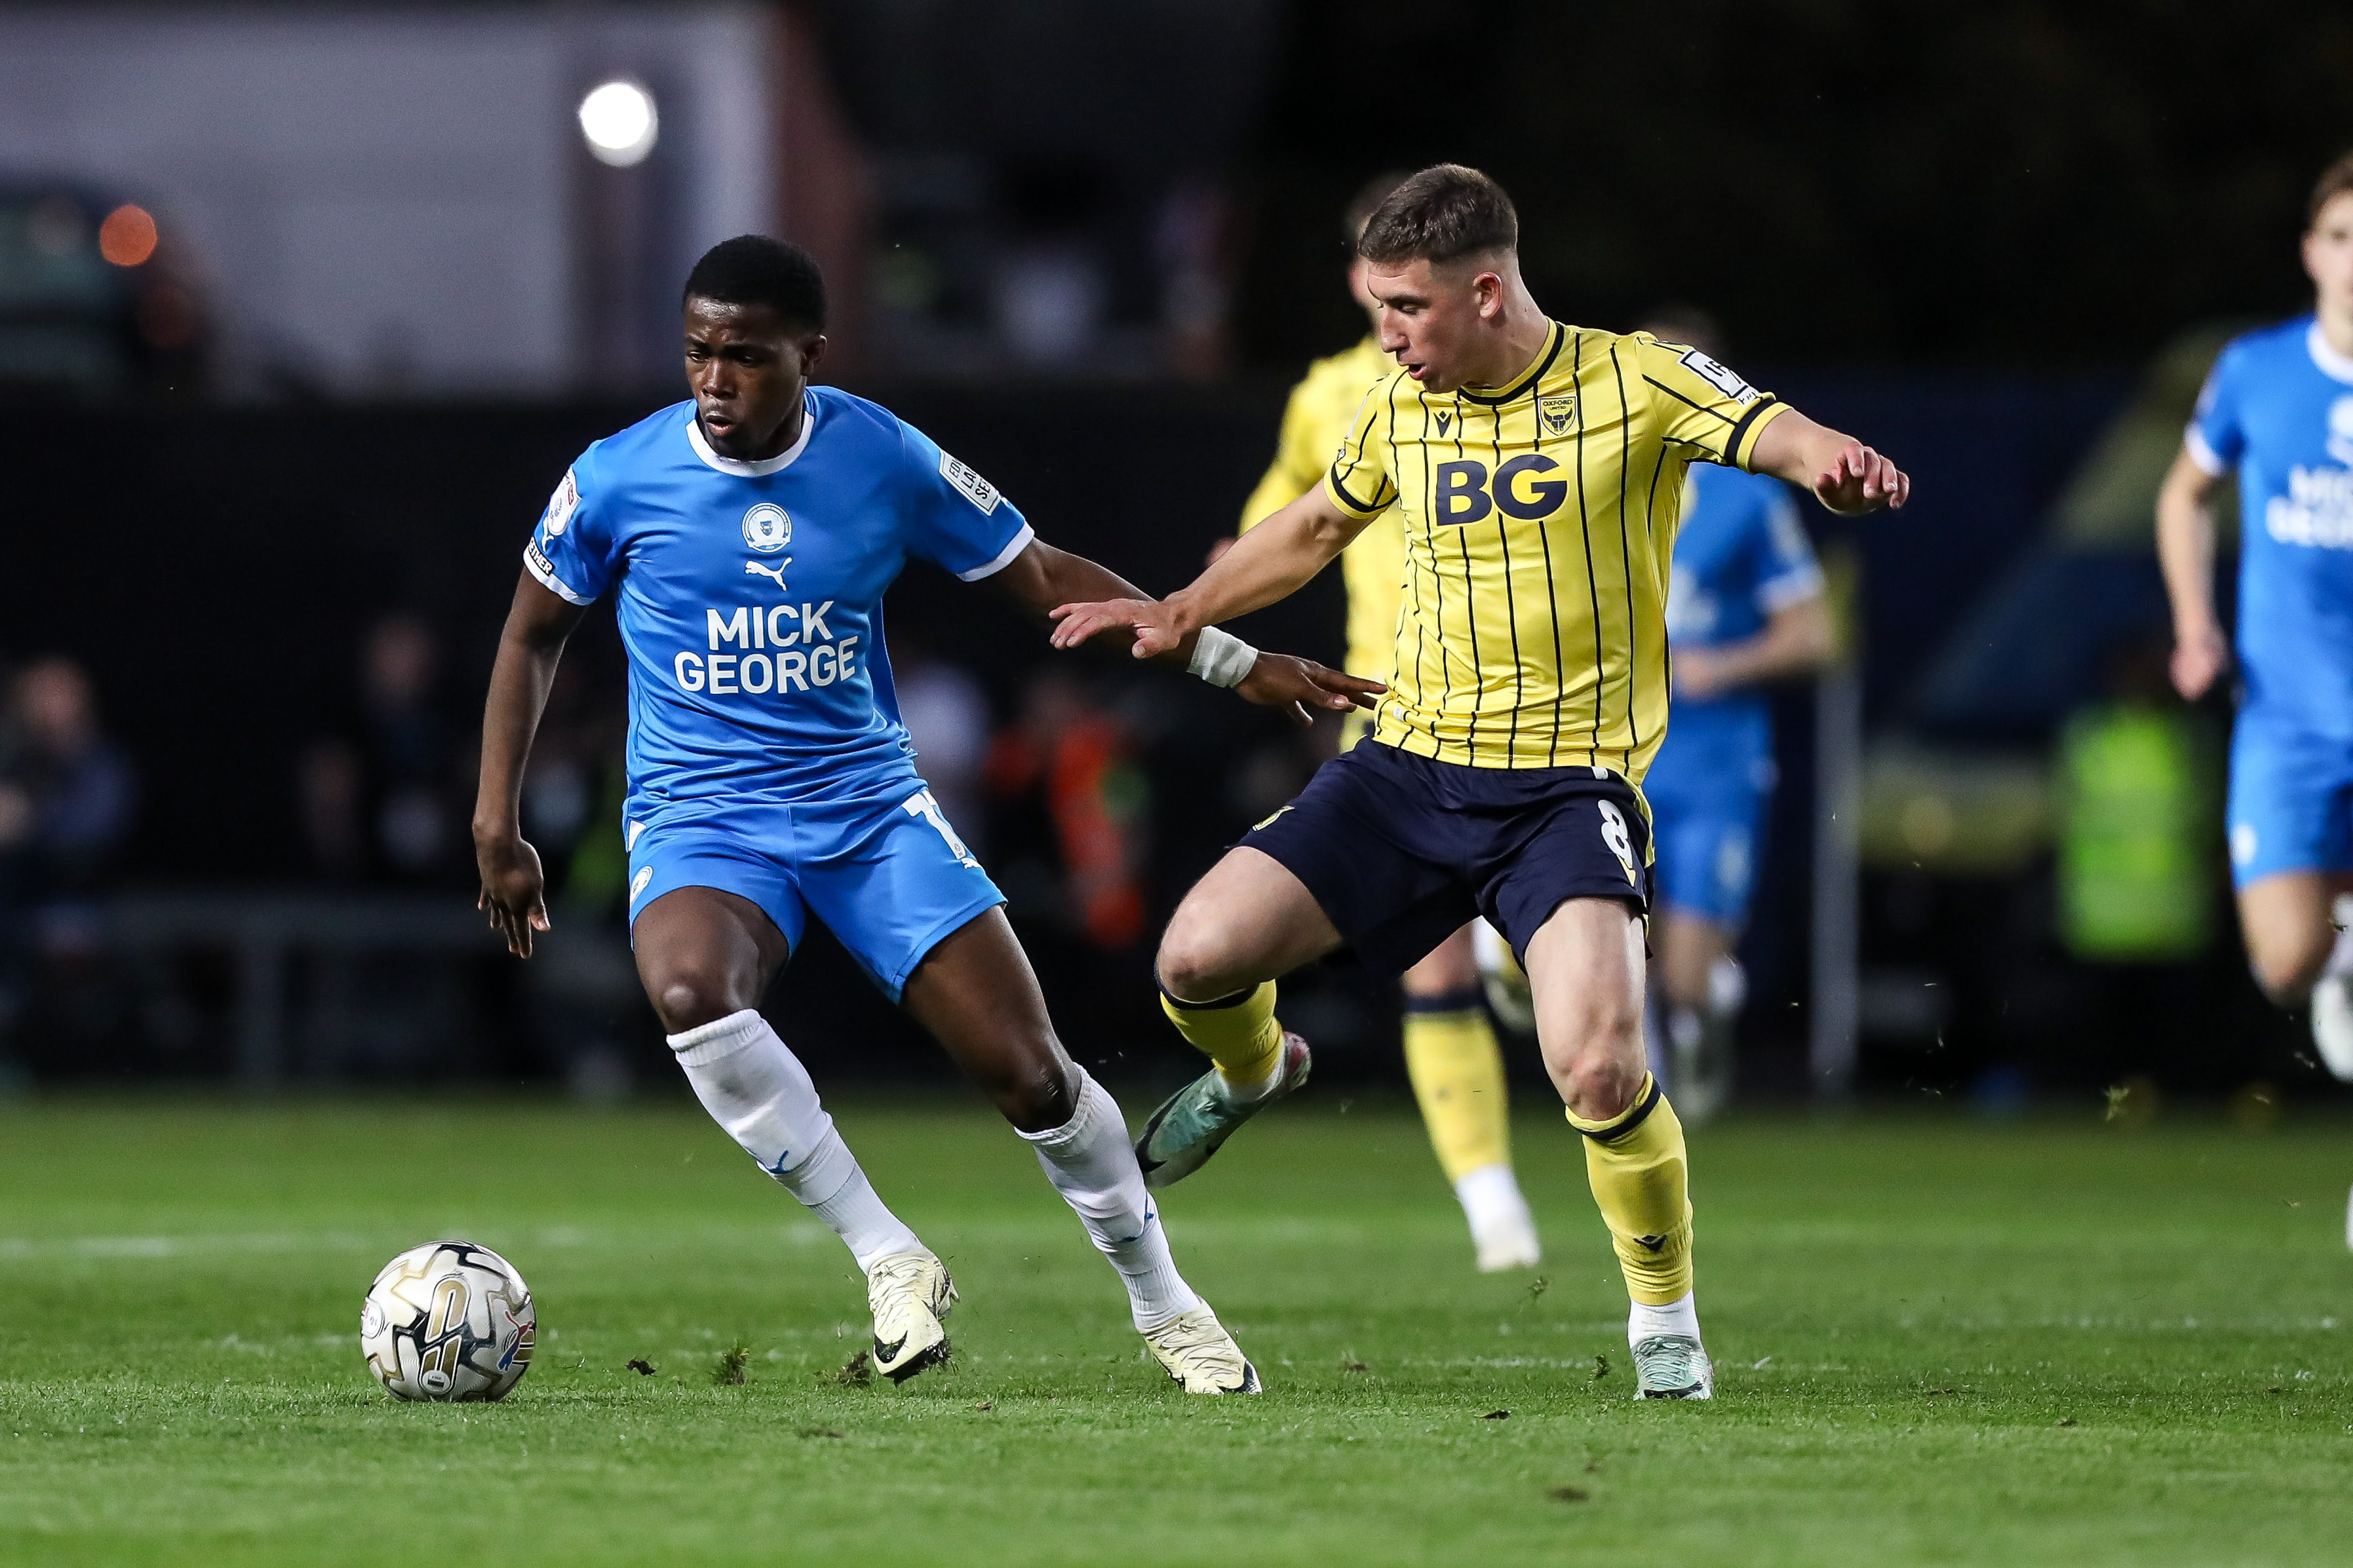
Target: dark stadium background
(1968, 256)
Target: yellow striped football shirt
(1539, 522)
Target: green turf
(1940, 1342)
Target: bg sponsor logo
(1460, 493)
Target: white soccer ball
(449, 1321)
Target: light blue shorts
(1706, 837)
(887, 874)
(2291, 801)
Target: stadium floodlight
(619, 123)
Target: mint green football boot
(1194, 1122)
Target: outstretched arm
(1047, 580)
(1797, 639)
(513, 887)
(2185, 548)
(1269, 564)
(1845, 476)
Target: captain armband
(1222, 658)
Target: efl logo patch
(1557, 413)
(767, 528)
(561, 506)
(978, 490)
(1718, 376)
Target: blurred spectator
(946, 715)
(1081, 759)
(68, 794)
(385, 801)
(1190, 241)
(68, 798)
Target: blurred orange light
(127, 237)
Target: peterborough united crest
(1557, 413)
(768, 529)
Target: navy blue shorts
(1401, 850)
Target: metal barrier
(263, 930)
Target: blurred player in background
(2278, 408)
(1745, 608)
(748, 535)
(1450, 1046)
(1539, 469)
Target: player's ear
(812, 353)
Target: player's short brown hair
(1442, 214)
(2335, 181)
(1368, 201)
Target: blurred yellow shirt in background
(1314, 422)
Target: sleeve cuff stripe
(1791, 588)
(2210, 462)
(1752, 424)
(552, 583)
(1020, 542)
(1348, 503)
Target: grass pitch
(1939, 1342)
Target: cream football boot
(909, 1293)
(1201, 1356)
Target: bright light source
(619, 123)
(127, 237)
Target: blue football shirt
(2278, 406)
(750, 593)
(1740, 555)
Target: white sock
(1675, 1317)
(1491, 1200)
(757, 1089)
(1251, 1093)
(1092, 1165)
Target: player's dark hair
(1366, 201)
(752, 270)
(1677, 322)
(2335, 181)
(1442, 214)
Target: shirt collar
(761, 468)
(2334, 365)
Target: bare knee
(1036, 1090)
(689, 995)
(1195, 963)
(1594, 1057)
(2289, 968)
(1452, 965)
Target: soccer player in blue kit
(1745, 608)
(748, 535)
(2278, 408)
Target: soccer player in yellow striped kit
(1450, 1046)
(1538, 468)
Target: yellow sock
(1457, 1077)
(1238, 1032)
(1641, 1177)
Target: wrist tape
(1222, 658)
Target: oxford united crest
(1557, 413)
(767, 528)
